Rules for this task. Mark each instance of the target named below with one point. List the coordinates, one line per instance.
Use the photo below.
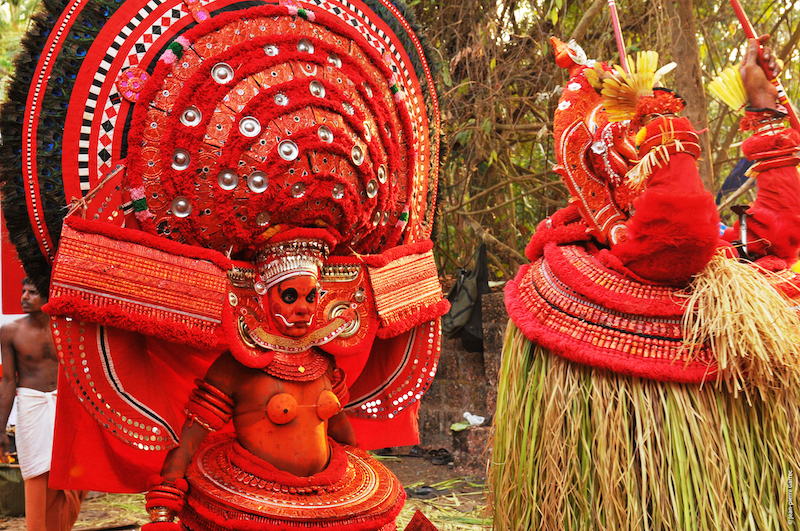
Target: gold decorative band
(405, 286)
(153, 284)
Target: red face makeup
(292, 304)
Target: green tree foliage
(500, 86)
(14, 17)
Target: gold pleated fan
(621, 91)
(729, 88)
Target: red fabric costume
(672, 236)
(773, 223)
(600, 388)
(194, 137)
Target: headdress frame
(72, 131)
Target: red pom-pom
(160, 501)
(664, 102)
(181, 484)
(154, 480)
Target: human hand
(164, 500)
(761, 92)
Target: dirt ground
(454, 502)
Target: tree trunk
(688, 79)
(587, 19)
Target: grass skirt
(581, 448)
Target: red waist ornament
(232, 489)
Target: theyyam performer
(231, 204)
(651, 367)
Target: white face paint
(288, 324)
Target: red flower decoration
(130, 83)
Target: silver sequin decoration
(257, 182)
(181, 159)
(271, 50)
(298, 190)
(357, 155)
(372, 188)
(250, 127)
(263, 219)
(281, 99)
(360, 296)
(288, 150)
(181, 207)
(191, 116)
(334, 60)
(305, 46)
(338, 191)
(382, 174)
(260, 287)
(325, 134)
(227, 179)
(317, 89)
(222, 73)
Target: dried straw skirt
(579, 448)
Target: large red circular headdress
(225, 120)
(279, 115)
(191, 134)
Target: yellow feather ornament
(729, 88)
(621, 91)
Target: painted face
(31, 300)
(292, 304)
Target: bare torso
(300, 446)
(29, 360)
(30, 343)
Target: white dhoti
(36, 416)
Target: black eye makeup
(312, 296)
(289, 296)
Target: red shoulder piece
(675, 230)
(773, 223)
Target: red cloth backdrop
(12, 273)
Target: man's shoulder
(8, 330)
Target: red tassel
(428, 313)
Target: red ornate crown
(291, 253)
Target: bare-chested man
(30, 370)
